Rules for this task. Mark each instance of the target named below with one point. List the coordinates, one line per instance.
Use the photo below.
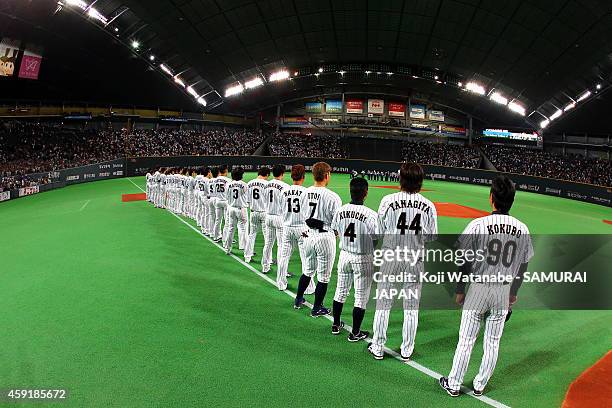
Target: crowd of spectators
(551, 165)
(441, 154)
(302, 145)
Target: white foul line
(396, 355)
(85, 205)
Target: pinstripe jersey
(219, 186)
(237, 194)
(274, 190)
(505, 240)
(293, 200)
(321, 204)
(358, 227)
(211, 187)
(256, 196)
(201, 184)
(407, 220)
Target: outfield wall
(139, 166)
(575, 191)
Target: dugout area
(125, 305)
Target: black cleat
(476, 392)
(404, 358)
(444, 384)
(321, 311)
(298, 303)
(336, 329)
(353, 338)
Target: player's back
(321, 204)
(256, 196)
(274, 195)
(407, 219)
(237, 194)
(503, 240)
(221, 183)
(357, 227)
(293, 199)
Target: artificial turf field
(124, 305)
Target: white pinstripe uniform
(163, 191)
(156, 188)
(149, 186)
(236, 196)
(201, 201)
(220, 186)
(408, 221)
(274, 221)
(358, 227)
(191, 202)
(507, 243)
(320, 246)
(293, 227)
(257, 200)
(212, 200)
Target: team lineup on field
(313, 218)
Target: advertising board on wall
(397, 109)
(376, 106)
(436, 115)
(333, 106)
(417, 111)
(354, 106)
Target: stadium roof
(543, 54)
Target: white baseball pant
(291, 237)
(272, 232)
(257, 221)
(412, 296)
(320, 254)
(211, 216)
(480, 300)
(220, 209)
(357, 269)
(235, 216)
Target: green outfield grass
(124, 305)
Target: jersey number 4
(415, 225)
(349, 232)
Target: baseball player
(358, 228)
(508, 249)
(274, 219)
(408, 220)
(257, 200)
(236, 197)
(319, 254)
(201, 198)
(220, 186)
(293, 217)
(149, 186)
(212, 201)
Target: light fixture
(179, 81)
(320, 70)
(498, 98)
(476, 88)
(95, 14)
(253, 83)
(135, 44)
(201, 101)
(436, 77)
(165, 69)
(368, 72)
(598, 86)
(116, 30)
(192, 92)
(415, 77)
(151, 57)
(583, 96)
(233, 90)
(459, 84)
(78, 3)
(342, 72)
(389, 73)
(555, 115)
(569, 106)
(544, 123)
(279, 75)
(295, 73)
(517, 108)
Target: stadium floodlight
(279, 76)
(233, 90)
(569, 106)
(498, 98)
(342, 72)
(436, 77)
(78, 3)
(151, 57)
(476, 88)
(253, 83)
(583, 96)
(389, 73)
(135, 44)
(320, 70)
(116, 29)
(295, 73)
(201, 101)
(598, 86)
(192, 92)
(165, 69)
(459, 84)
(95, 14)
(544, 123)
(179, 81)
(555, 115)
(368, 72)
(517, 108)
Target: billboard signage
(333, 106)
(376, 106)
(436, 115)
(354, 106)
(397, 109)
(417, 111)
(314, 107)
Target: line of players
(312, 218)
